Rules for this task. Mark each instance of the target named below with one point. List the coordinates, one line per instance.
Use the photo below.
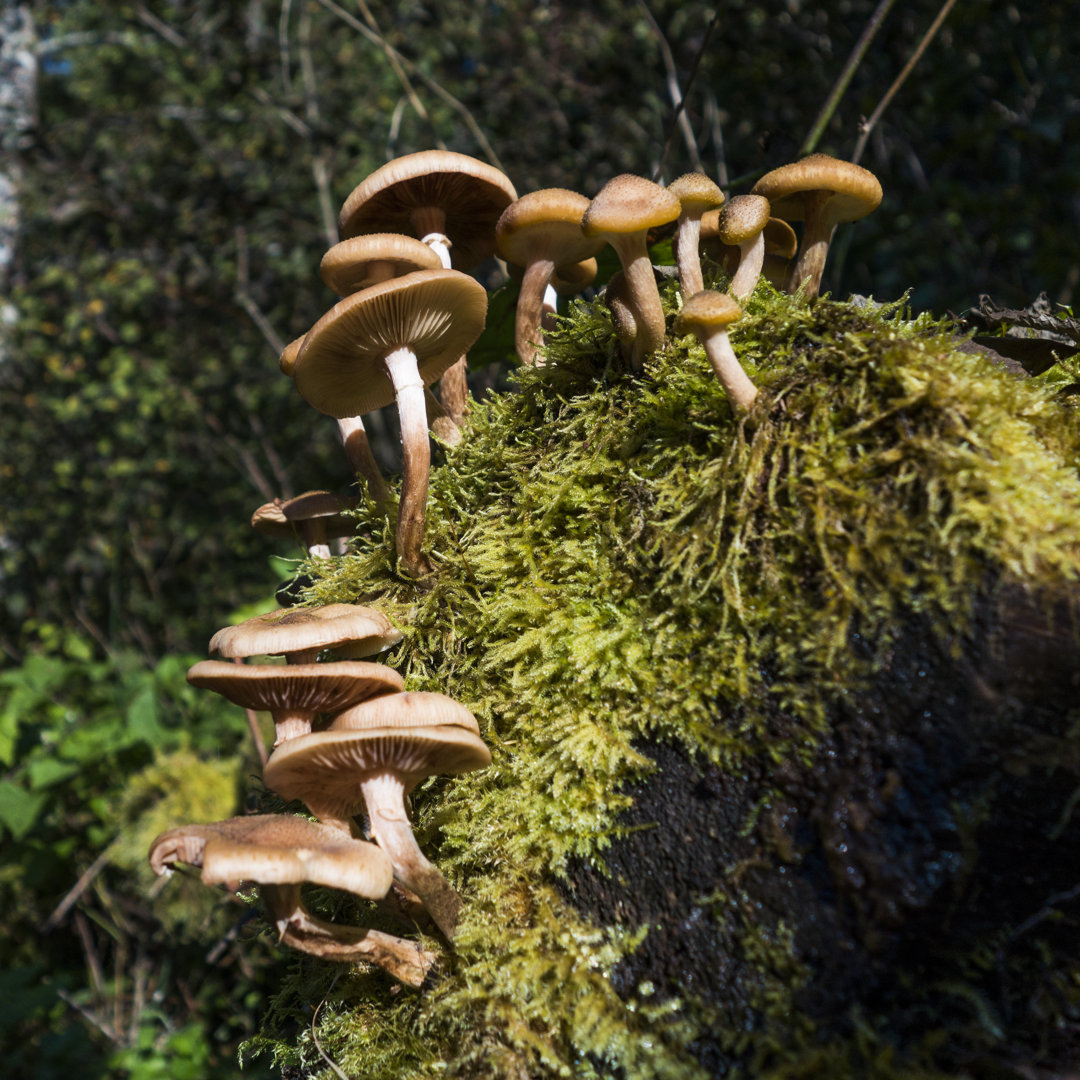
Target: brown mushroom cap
(325, 769)
(436, 314)
(280, 517)
(629, 204)
(780, 239)
(297, 630)
(696, 193)
(469, 193)
(315, 688)
(741, 219)
(855, 191)
(572, 278)
(707, 310)
(287, 360)
(360, 261)
(275, 849)
(413, 709)
(545, 224)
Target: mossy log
(783, 712)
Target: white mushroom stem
(687, 257)
(291, 724)
(644, 297)
(361, 459)
(401, 367)
(549, 309)
(740, 391)
(530, 309)
(751, 259)
(406, 961)
(384, 798)
(315, 539)
(814, 248)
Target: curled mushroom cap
(708, 315)
(821, 191)
(697, 194)
(433, 192)
(339, 773)
(300, 634)
(360, 261)
(280, 853)
(622, 213)
(541, 231)
(295, 693)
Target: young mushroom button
(741, 224)
(388, 343)
(708, 315)
(820, 191)
(622, 213)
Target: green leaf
(49, 770)
(19, 808)
(142, 716)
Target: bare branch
(80, 886)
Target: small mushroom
(294, 694)
(388, 343)
(350, 631)
(317, 514)
(820, 191)
(622, 213)
(740, 224)
(360, 261)
(697, 194)
(279, 853)
(708, 314)
(541, 231)
(345, 770)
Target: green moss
(621, 562)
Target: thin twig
(315, 1037)
(841, 85)
(430, 83)
(283, 44)
(868, 125)
(680, 116)
(319, 170)
(88, 1015)
(245, 299)
(80, 886)
(173, 37)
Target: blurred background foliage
(177, 184)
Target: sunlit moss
(620, 560)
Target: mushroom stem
(687, 257)
(384, 798)
(454, 391)
(814, 249)
(315, 538)
(361, 459)
(291, 724)
(407, 961)
(751, 259)
(740, 391)
(530, 309)
(401, 367)
(643, 295)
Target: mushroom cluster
(350, 742)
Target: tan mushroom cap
(325, 769)
(287, 359)
(707, 310)
(572, 278)
(281, 516)
(276, 849)
(855, 191)
(293, 630)
(470, 193)
(629, 204)
(269, 520)
(696, 192)
(437, 314)
(360, 261)
(741, 219)
(545, 224)
(316, 688)
(780, 239)
(413, 709)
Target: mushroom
(280, 853)
(820, 191)
(294, 694)
(353, 436)
(370, 761)
(708, 315)
(622, 213)
(319, 514)
(451, 201)
(385, 343)
(696, 194)
(740, 224)
(300, 634)
(360, 261)
(541, 231)
(781, 243)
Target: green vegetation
(622, 565)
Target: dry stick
(868, 125)
(842, 83)
(80, 886)
(682, 102)
(314, 1034)
(674, 92)
(430, 83)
